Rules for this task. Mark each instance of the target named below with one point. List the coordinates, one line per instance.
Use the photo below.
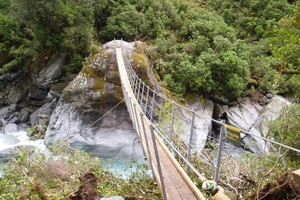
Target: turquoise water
(122, 159)
(120, 155)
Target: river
(121, 152)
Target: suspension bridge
(157, 135)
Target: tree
(252, 18)
(14, 40)
(57, 26)
(285, 42)
(286, 129)
(202, 55)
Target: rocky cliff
(80, 109)
(25, 94)
(90, 96)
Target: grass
(54, 175)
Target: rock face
(202, 123)
(22, 92)
(51, 71)
(85, 104)
(253, 118)
(244, 115)
(42, 115)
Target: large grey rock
(15, 95)
(37, 93)
(94, 91)
(24, 115)
(56, 90)
(202, 123)
(245, 114)
(9, 128)
(42, 115)
(52, 71)
(3, 122)
(2, 99)
(13, 118)
(6, 111)
(269, 113)
(6, 154)
(253, 118)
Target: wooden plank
(175, 186)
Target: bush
(36, 175)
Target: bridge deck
(170, 180)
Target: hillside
(241, 58)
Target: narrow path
(172, 183)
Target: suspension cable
(106, 113)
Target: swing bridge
(158, 122)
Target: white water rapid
(120, 151)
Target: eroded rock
(9, 128)
(51, 71)
(42, 115)
(92, 94)
(269, 113)
(245, 114)
(253, 118)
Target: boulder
(87, 98)
(6, 154)
(13, 117)
(2, 99)
(203, 125)
(56, 90)
(269, 113)
(9, 128)
(15, 95)
(24, 115)
(6, 111)
(245, 114)
(42, 115)
(51, 71)
(252, 117)
(36, 93)
(1, 123)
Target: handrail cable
(105, 114)
(213, 120)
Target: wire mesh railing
(196, 150)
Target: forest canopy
(216, 48)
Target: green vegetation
(37, 132)
(286, 130)
(31, 175)
(216, 48)
(252, 18)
